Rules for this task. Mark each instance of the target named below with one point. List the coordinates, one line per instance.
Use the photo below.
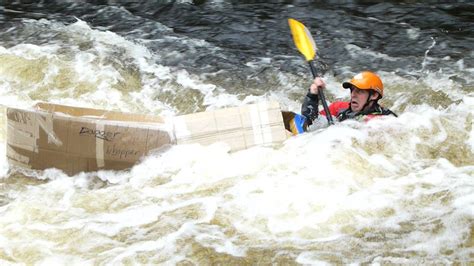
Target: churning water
(394, 190)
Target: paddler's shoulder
(336, 107)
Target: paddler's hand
(317, 83)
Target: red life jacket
(335, 108)
(338, 109)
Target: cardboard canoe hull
(76, 139)
(80, 139)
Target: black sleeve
(310, 107)
(389, 112)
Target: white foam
(63, 260)
(356, 51)
(413, 33)
(393, 178)
(310, 189)
(88, 70)
(310, 258)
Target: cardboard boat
(76, 139)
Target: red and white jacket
(340, 110)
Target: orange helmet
(366, 81)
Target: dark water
(248, 30)
(395, 191)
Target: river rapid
(391, 191)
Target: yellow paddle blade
(302, 38)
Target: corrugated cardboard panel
(200, 139)
(83, 135)
(264, 123)
(22, 128)
(59, 136)
(78, 164)
(53, 132)
(240, 127)
(81, 139)
(128, 143)
(20, 157)
(53, 159)
(97, 113)
(116, 141)
(157, 139)
(116, 165)
(264, 135)
(227, 119)
(261, 114)
(235, 140)
(198, 125)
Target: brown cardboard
(97, 113)
(82, 139)
(239, 127)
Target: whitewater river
(392, 191)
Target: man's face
(358, 99)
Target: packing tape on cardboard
(181, 131)
(47, 125)
(22, 129)
(99, 146)
(26, 125)
(265, 120)
(260, 123)
(15, 156)
(24, 138)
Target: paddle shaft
(321, 94)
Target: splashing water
(394, 190)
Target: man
(366, 89)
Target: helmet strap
(367, 103)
